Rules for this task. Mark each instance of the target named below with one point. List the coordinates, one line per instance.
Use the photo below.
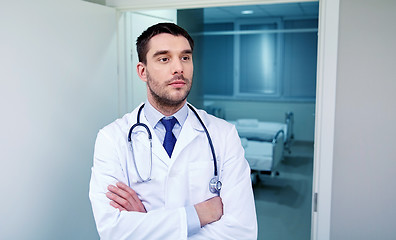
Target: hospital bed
(265, 143)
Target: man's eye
(186, 58)
(164, 59)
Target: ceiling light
(246, 12)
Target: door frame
(325, 92)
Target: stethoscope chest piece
(215, 185)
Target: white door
(131, 25)
(58, 87)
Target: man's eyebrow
(161, 52)
(187, 51)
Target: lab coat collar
(191, 129)
(195, 123)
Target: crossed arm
(235, 207)
(125, 198)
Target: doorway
(325, 98)
(265, 67)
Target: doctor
(163, 193)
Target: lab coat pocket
(200, 174)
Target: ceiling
(230, 13)
(301, 9)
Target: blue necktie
(170, 139)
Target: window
(258, 60)
(218, 59)
(270, 59)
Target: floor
(283, 203)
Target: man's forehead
(168, 42)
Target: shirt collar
(153, 116)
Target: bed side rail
(289, 121)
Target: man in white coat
(170, 199)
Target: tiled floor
(283, 203)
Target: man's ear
(141, 71)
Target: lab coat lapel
(191, 129)
(159, 150)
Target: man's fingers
(135, 201)
(125, 197)
(119, 200)
(129, 190)
(118, 191)
(125, 192)
(116, 205)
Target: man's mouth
(178, 83)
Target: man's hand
(209, 211)
(124, 198)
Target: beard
(163, 97)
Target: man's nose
(177, 67)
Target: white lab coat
(179, 181)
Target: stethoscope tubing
(214, 182)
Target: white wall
(58, 86)
(364, 192)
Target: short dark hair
(144, 38)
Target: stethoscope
(214, 184)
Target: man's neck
(167, 110)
